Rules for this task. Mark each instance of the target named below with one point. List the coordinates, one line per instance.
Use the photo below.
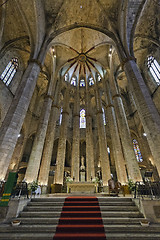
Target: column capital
(55, 106)
(49, 96)
(109, 105)
(100, 111)
(127, 59)
(88, 115)
(65, 112)
(116, 95)
(33, 60)
(76, 115)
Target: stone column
(2, 22)
(116, 144)
(13, 121)
(89, 142)
(19, 149)
(49, 141)
(62, 141)
(147, 111)
(36, 154)
(75, 144)
(127, 145)
(104, 159)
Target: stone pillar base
(56, 188)
(3, 213)
(44, 189)
(105, 188)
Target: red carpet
(80, 219)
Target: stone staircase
(40, 217)
(121, 219)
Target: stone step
(100, 199)
(118, 208)
(59, 208)
(54, 220)
(100, 203)
(133, 236)
(33, 220)
(108, 229)
(28, 228)
(40, 214)
(46, 203)
(124, 220)
(57, 214)
(49, 236)
(131, 229)
(114, 199)
(135, 214)
(26, 236)
(117, 204)
(41, 199)
(42, 209)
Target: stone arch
(134, 134)
(111, 35)
(112, 39)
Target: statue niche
(82, 171)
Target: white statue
(82, 167)
(82, 170)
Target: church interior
(79, 94)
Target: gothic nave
(79, 105)
(79, 83)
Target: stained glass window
(82, 119)
(108, 150)
(9, 71)
(82, 83)
(99, 77)
(91, 82)
(137, 151)
(104, 117)
(66, 77)
(73, 81)
(154, 69)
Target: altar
(81, 187)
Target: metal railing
(21, 189)
(2, 184)
(147, 189)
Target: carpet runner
(80, 219)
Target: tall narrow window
(82, 83)
(73, 81)
(9, 71)
(66, 77)
(137, 151)
(98, 77)
(104, 117)
(82, 119)
(154, 69)
(91, 82)
(109, 155)
(60, 117)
